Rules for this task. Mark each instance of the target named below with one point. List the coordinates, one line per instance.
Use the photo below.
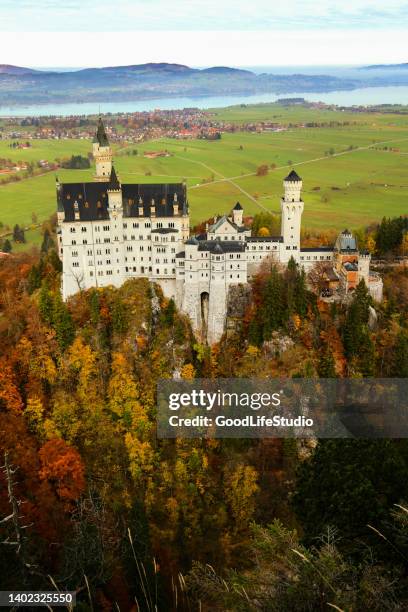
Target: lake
(363, 96)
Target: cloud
(196, 15)
(234, 48)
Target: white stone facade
(109, 232)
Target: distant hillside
(386, 66)
(15, 70)
(21, 86)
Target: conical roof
(292, 177)
(114, 183)
(100, 136)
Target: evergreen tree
(45, 305)
(47, 242)
(400, 364)
(35, 276)
(62, 323)
(255, 331)
(169, 312)
(6, 248)
(54, 260)
(273, 304)
(326, 365)
(348, 484)
(301, 296)
(355, 331)
(119, 317)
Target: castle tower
(237, 213)
(115, 207)
(102, 154)
(364, 259)
(291, 209)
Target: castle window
(84, 241)
(83, 229)
(72, 230)
(73, 241)
(287, 248)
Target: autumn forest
(91, 501)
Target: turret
(102, 154)
(364, 259)
(237, 213)
(114, 195)
(291, 209)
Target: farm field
(352, 175)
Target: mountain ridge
(22, 86)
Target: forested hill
(118, 515)
(121, 83)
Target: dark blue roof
(293, 177)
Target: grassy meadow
(358, 183)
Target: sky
(202, 32)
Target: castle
(109, 232)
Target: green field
(348, 188)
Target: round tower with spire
(291, 209)
(102, 154)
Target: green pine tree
(62, 323)
(47, 242)
(6, 247)
(46, 305)
(326, 366)
(273, 302)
